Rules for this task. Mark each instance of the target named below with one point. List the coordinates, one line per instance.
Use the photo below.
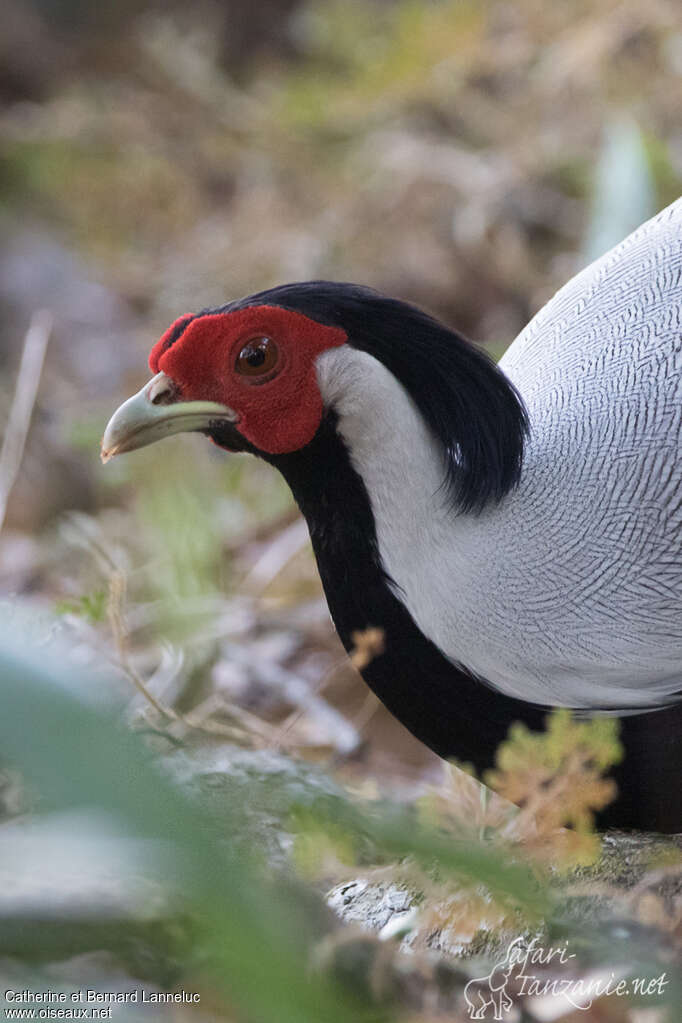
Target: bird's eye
(258, 357)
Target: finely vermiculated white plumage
(569, 592)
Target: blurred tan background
(158, 158)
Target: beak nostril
(162, 391)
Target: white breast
(570, 591)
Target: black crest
(468, 403)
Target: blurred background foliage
(156, 158)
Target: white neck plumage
(493, 589)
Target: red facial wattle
(278, 414)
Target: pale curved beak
(155, 412)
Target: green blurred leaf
(624, 195)
(254, 935)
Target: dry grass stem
(367, 711)
(296, 715)
(201, 718)
(116, 615)
(30, 369)
(276, 556)
(367, 645)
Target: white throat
(429, 550)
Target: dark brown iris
(258, 357)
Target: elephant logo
(489, 992)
